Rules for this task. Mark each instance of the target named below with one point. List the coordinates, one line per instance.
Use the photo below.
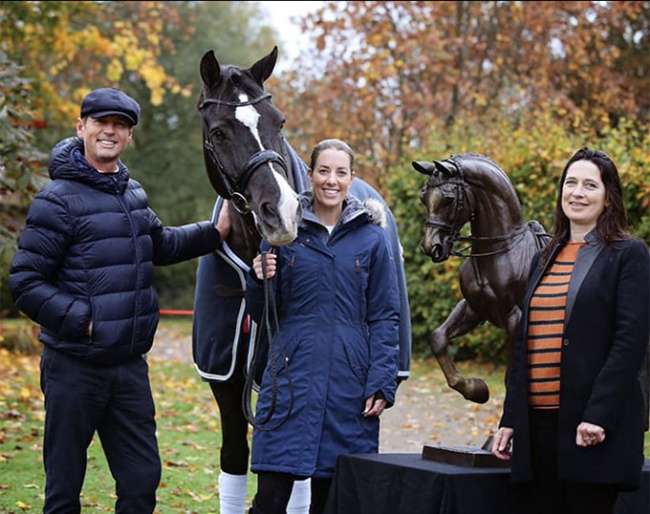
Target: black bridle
(235, 188)
(453, 229)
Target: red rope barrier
(170, 312)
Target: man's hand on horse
(268, 269)
(223, 221)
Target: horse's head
(444, 197)
(244, 147)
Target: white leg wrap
(300, 497)
(232, 493)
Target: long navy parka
(337, 345)
(87, 254)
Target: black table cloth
(408, 484)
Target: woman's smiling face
(583, 195)
(331, 178)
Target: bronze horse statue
(471, 188)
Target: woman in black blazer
(576, 401)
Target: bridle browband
(455, 227)
(235, 189)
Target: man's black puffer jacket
(87, 254)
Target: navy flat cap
(106, 101)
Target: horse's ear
(210, 69)
(426, 168)
(263, 68)
(445, 168)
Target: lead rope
(269, 309)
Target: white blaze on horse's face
(288, 205)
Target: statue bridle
(453, 229)
(235, 188)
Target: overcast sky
(281, 14)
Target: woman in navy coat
(576, 401)
(333, 363)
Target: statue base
(468, 456)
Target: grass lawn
(189, 435)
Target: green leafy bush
(533, 154)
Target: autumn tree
(21, 170)
(59, 51)
(388, 76)
(526, 83)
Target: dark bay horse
(471, 188)
(249, 163)
(245, 153)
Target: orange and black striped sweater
(545, 328)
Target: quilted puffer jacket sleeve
(41, 251)
(177, 244)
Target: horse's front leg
(461, 321)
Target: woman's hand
(588, 434)
(374, 406)
(270, 265)
(502, 443)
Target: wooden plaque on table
(469, 456)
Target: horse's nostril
(269, 212)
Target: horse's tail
(541, 236)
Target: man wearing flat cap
(83, 271)
(106, 101)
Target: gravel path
(426, 412)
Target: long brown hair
(612, 222)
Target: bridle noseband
(235, 189)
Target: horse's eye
(218, 135)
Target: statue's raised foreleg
(461, 321)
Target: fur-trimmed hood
(377, 211)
